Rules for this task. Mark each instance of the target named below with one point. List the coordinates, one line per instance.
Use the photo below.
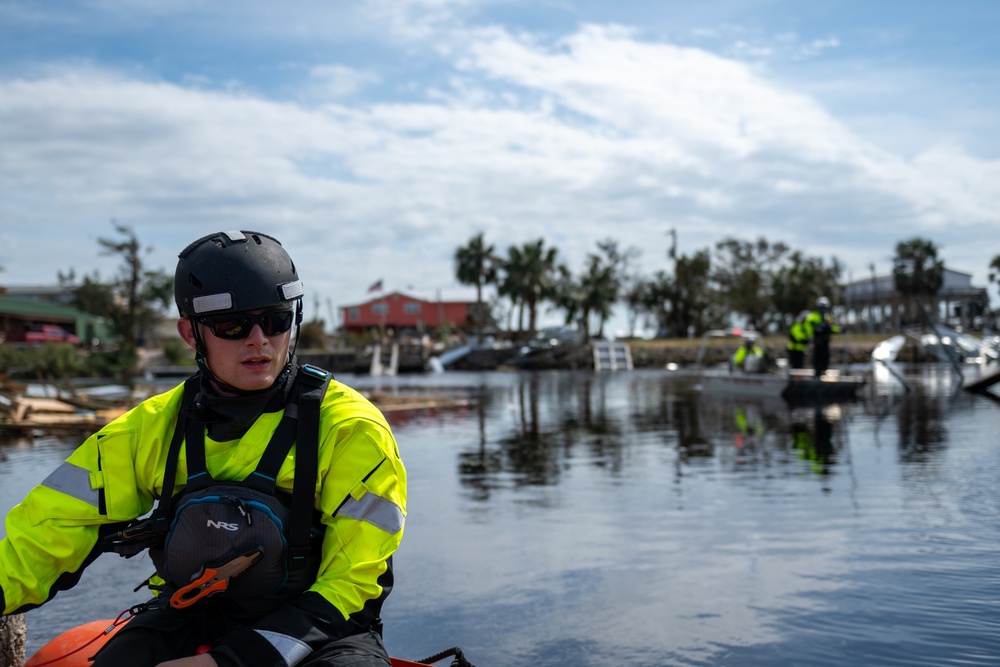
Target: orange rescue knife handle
(197, 589)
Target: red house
(405, 313)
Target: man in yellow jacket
(279, 493)
(815, 327)
(819, 326)
(749, 357)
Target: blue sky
(374, 138)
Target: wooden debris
(33, 414)
(398, 403)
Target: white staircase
(378, 368)
(612, 356)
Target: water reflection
(921, 424)
(536, 426)
(814, 442)
(585, 519)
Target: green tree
(513, 269)
(916, 271)
(568, 294)
(682, 303)
(656, 297)
(744, 274)
(132, 303)
(994, 274)
(475, 264)
(530, 274)
(800, 281)
(995, 270)
(597, 289)
(694, 306)
(91, 295)
(634, 298)
(604, 280)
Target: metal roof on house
(954, 283)
(27, 308)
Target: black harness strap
(313, 383)
(139, 535)
(164, 507)
(299, 424)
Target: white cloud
(597, 134)
(339, 82)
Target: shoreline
(644, 353)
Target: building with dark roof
(872, 304)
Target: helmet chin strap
(201, 358)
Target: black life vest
(210, 523)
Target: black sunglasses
(234, 326)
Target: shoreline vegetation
(655, 353)
(72, 409)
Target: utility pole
(871, 304)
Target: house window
(411, 308)
(353, 313)
(380, 308)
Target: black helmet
(234, 271)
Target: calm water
(568, 519)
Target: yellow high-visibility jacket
(807, 326)
(116, 474)
(819, 325)
(741, 353)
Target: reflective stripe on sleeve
(374, 509)
(73, 481)
(290, 648)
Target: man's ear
(186, 331)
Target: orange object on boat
(76, 646)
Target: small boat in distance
(795, 386)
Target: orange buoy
(76, 646)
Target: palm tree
(530, 278)
(602, 282)
(476, 265)
(916, 269)
(568, 295)
(511, 284)
(994, 274)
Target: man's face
(249, 363)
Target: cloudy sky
(375, 137)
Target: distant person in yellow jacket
(814, 327)
(798, 341)
(290, 492)
(750, 356)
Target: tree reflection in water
(531, 430)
